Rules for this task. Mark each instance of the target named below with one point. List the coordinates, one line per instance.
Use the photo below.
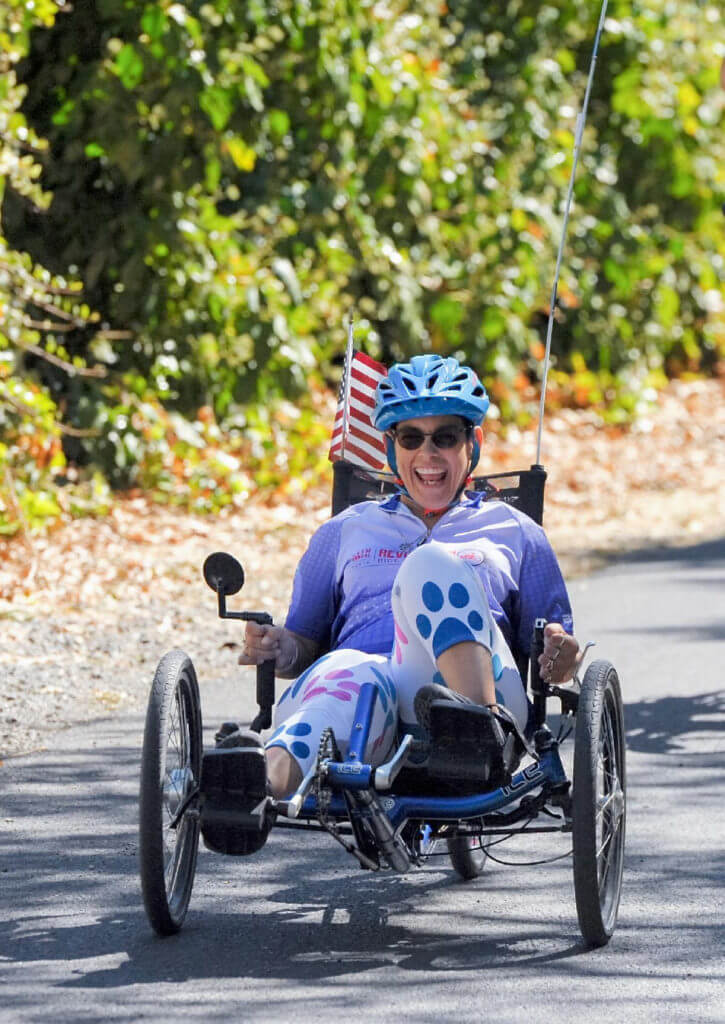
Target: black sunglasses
(411, 438)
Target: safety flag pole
(579, 132)
(346, 386)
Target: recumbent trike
(395, 816)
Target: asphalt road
(300, 933)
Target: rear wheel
(170, 773)
(599, 803)
(467, 856)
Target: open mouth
(430, 477)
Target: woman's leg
(468, 668)
(445, 633)
(325, 695)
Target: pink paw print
(339, 684)
(400, 638)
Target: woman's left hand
(561, 655)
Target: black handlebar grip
(537, 648)
(538, 686)
(265, 687)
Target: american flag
(354, 438)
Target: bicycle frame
(354, 776)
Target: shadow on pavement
(311, 915)
(311, 928)
(660, 726)
(710, 553)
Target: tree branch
(62, 427)
(69, 368)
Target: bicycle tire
(467, 856)
(170, 774)
(599, 803)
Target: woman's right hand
(267, 643)
(290, 653)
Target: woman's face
(433, 475)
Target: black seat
(522, 488)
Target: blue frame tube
(350, 775)
(353, 773)
(548, 769)
(361, 726)
(448, 808)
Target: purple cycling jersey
(342, 588)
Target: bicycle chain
(328, 750)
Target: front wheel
(599, 803)
(467, 856)
(170, 774)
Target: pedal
(236, 813)
(469, 745)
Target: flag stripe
(370, 437)
(377, 368)
(364, 458)
(357, 395)
(365, 380)
(362, 443)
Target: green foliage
(37, 312)
(229, 181)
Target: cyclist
(426, 593)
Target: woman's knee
(429, 561)
(442, 601)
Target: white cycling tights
(438, 601)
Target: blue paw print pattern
(386, 687)
(497, 667)
(432, 596)
(290, 737)
(474, 620)
(424, 626)
(458, 595)
(451, 629)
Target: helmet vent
(429, 386)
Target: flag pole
(346, 385)
(579, 132)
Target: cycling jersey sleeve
(542, 591)
(315, 589)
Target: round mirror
(223, 573)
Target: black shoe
(433, 691)
(236, 810)
(232, 735)
(470, 745)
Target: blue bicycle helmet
(429, 386)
